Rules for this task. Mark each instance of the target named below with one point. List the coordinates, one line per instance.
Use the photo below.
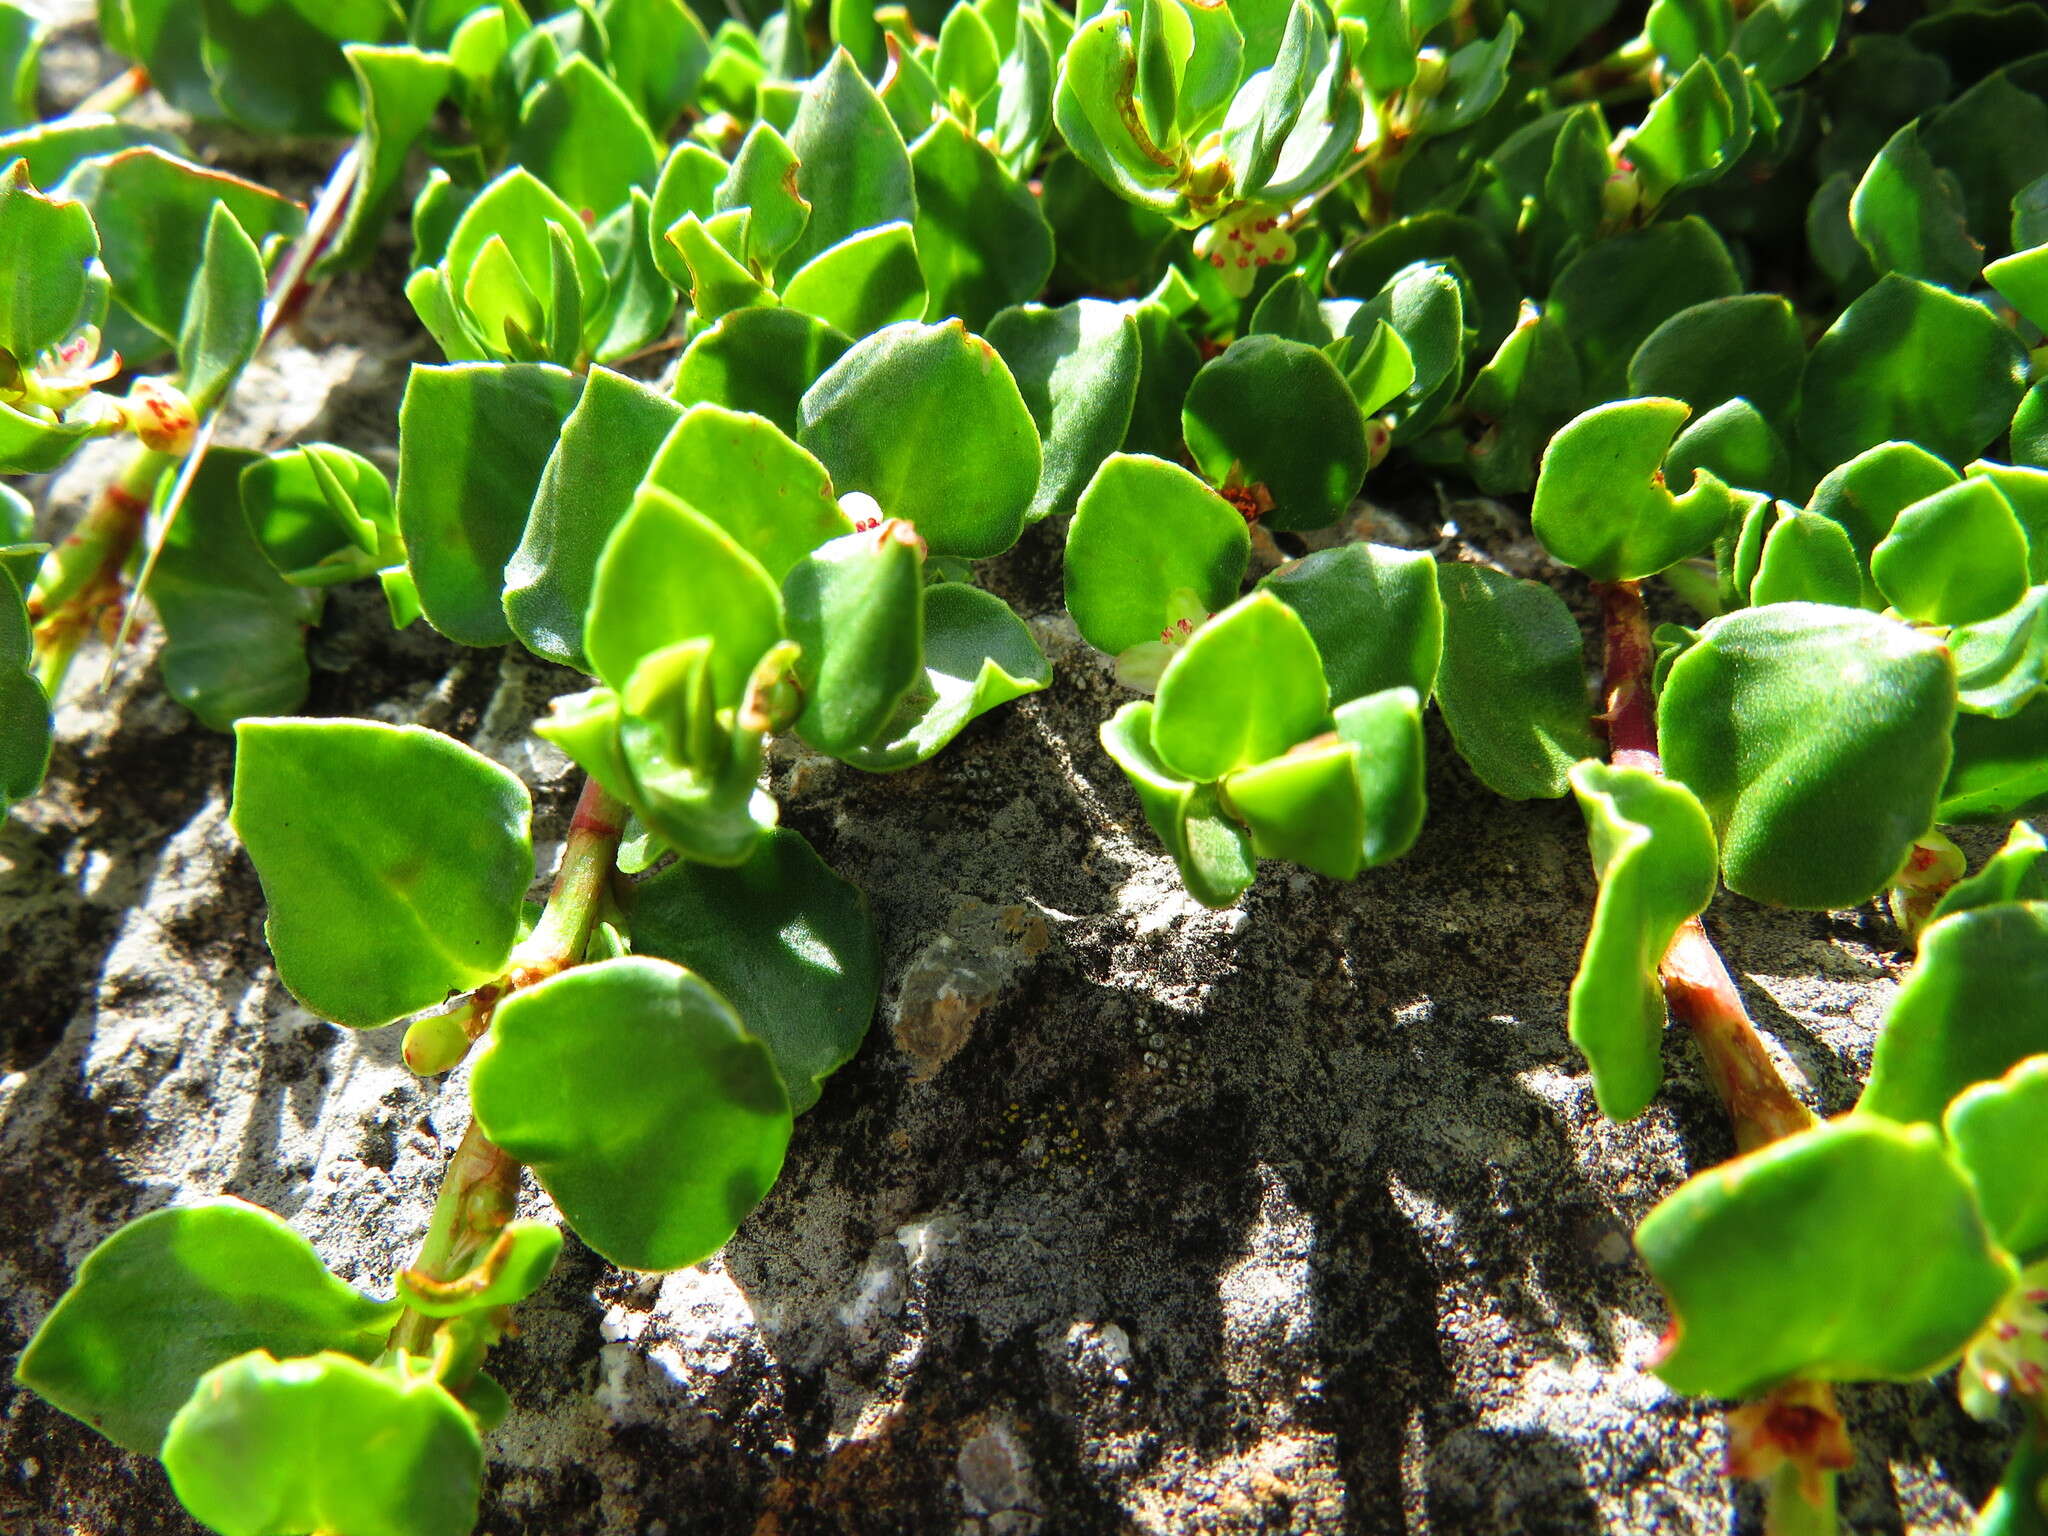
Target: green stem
(81, 578)
(1789, 1512)
(116, 96)
(480, 1187)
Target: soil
(1128, 1217)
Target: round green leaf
(1653, 850)
(669, 574)
(1374, 613)
(394, 860)
(1997, 1130)
(605, 448)
(1914, 362)
(1144, 530)
(1867, 494)
(1619, 290)
(2017, 872)
(1276, 413)
(1957, 557)
(1807, 558)
(1213, 851)
(177, 1292)
(1787, 1262)
(1748, 346)
(1513, 682)
(928, 421)
(760, 360)
(782, 938)
(320, 513)
(48, 248)
(977, 654)
(856, 607)
(1602, 504)
(473, 443)
(580, 135)
(1817, 739)
(1247, 686)
(2000, 768)
(1341, 802)
(1909, 216)
(863, 283)
(324, 1444)
(981, 239)
(1975, 1003)
(741, 472)
(852, 167)
(1077, 368)
(1736, 445)
(642, 1104)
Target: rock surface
(1129, 1217)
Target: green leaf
(1513, 682)
(2017, 872)
(21, 44)
(743, 474)
(2027, 491)
(977, 654)
(1474, 80)
(981, 239)
(1247, 686)
(1276, 413)
(51, 149)
(164, 35)
(865, 282)
(320, 514)
(1908, 216)
(276, 66)
(1423, 305)
(1748, 345)
(224, 315)
(1344, 802)
(1911, 362)
(1997, 1129)
(1957, 557)
(2022, 281)
(1144, 531)
(26, 732)
(1213, 851)
(641, 1103)
(49, 248)
(856, 607)
(153, 211)
(640, 301)
(759, 360)
(325, 1443)
(659, 53)
(394, 860)
(1974, 1005)
(1782, 1263)
(175, 1293)
(1785, 40)
(852, 167)
(515, 1266)
(1807, 558)
(785, 940)
(581, 135)
(1867, 494)
(2000, 768)
(1450, 240)
(473, 442)
(718, 282)
(2030, 428)
(1689, 135)
(693, 180)
(401, 90)
(1530, 389)
(1602, 503)
(1653, 850)
(1816, 738)
(234, 630)
(762, 180)
(606, 446)
(928, 421)
(519, 211)
(1077, 368)
(1734, 444)
(1267, 106)
(1373, 612)
(669, 574)
(1618, 291)
(1099, 118)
